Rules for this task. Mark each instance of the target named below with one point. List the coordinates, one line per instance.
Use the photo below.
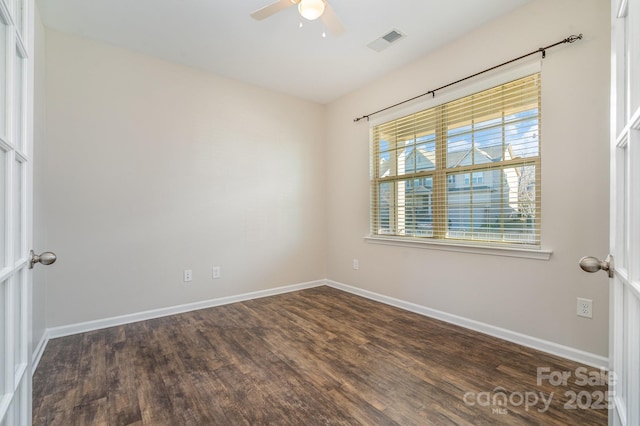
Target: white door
(16, 106)
(624, 327)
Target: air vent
(392, 36)
(386, 40)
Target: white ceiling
(219, 36)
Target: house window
(476, 177)
(465, 170)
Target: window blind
(466, 170)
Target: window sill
(527, 253)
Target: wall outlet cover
(585, 308)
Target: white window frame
(492, 80)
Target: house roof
(425, 159)
(469, 156)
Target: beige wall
(153, 168)
(532, 297)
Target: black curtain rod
(542, 50)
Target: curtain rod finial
(574, 38)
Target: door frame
(624, 229)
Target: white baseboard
(511, 336)
(67, 330)
(39, 350)
(501, 333)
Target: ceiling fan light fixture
(311, 9)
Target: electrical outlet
(187, 275)
(215, 272)
(585, 308)
(356, 264)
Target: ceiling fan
(308, 9)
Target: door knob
(593, 264)
(46, 258)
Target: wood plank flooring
(313, 357)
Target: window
(477, 178)
(466, 170)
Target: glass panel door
(624, 351)
(16, 41)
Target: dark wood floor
(313, 357)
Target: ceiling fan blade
(271, 9)
(331, 21)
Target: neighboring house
(483, 200)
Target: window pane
(416, 155)
(521, 134)
(3, 208)
(407, 159)
(19, 354)
(19, 16)
(488, 141)
(623, 161)
(385, 145)
(3, 341)
(384, 207)
(18, 128)
(459, 146)
(17, 211)
(418, 208)
(3, 80)
(459, 207)
(502, 211)
(426, 156)
(384, 164)
(520, 214)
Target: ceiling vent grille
(386, 40)
(392, 36)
